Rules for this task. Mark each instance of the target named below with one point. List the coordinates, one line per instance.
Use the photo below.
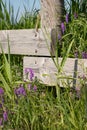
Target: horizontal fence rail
(24, 42)
(46, 71)
(31, 43)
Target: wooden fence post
(51, 18)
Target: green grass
(41, 109)
(8, 20)
(44, 108)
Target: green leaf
(6, 66)
(65, 57)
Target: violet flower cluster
(1, 91)
(1, 96)
(63, 27)
(30, 87)
(67, 18)
(30, 72)
(5, 115)
(84, 55)
(4, 118)
(20, 91)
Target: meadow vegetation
(30, 105)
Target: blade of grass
(17, 15)
(7, 66)
(6, 14)
(5, 85)
(65, 57)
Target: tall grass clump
(71, 41)
(75, 29)
(28, 105)
(8, 20)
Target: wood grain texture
(51, 13)
(46, 71)
(48, 17)
(51, 19)
(24, 42)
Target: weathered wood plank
(24, 42)
(51, 13)
(51, 18)
(46, 71)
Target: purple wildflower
(35, 88)
(59, 37)
(2, 102)
(29, 86)
(63, 28)
(1, 91)
(20, 91)
(27, 70)
(0, 105)
(67, 18)
(84, 55)
(31, 73)
(5, 116)
(75, 15)
(0, 121)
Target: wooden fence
(24, 42)
(37, 55)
